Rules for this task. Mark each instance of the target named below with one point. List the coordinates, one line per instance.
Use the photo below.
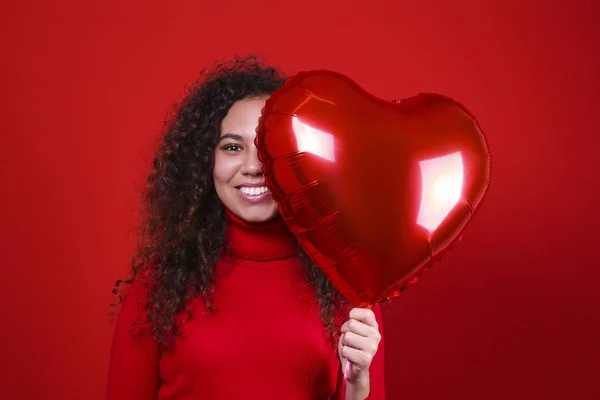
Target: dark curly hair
(183, 226)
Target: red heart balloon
(374, 191)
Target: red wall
(512, 312)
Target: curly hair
(182, 233)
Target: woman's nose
(252, 165)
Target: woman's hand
(358, 344)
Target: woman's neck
(264, 241)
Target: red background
(513, 312)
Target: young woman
(222, 303)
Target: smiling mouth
(253, 191)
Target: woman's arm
(365, 384)
(376, 372)
(133, 368)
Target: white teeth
(253, 191)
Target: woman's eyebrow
(232, 136)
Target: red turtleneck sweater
(265, 339)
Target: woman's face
(238, 178)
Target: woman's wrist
(358, 389)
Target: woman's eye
(232, 147)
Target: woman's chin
(260, 214)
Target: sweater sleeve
(134, 355)
(376, 371)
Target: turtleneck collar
(264, 241)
